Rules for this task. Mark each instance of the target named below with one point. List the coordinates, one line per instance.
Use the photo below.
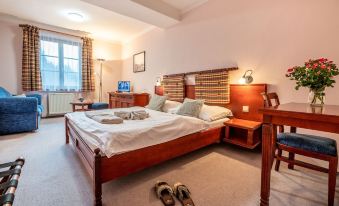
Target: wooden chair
(307, 145)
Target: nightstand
(244, 133)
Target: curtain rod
(23, 25)
(202, 72)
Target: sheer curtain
(60, 61)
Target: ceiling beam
(156, 13)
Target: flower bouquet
(315, 75)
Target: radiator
(59, 103)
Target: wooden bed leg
(66, 130)
(96, 178)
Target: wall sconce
(247, 77)
(158, 82)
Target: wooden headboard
(240, 95)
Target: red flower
(323, 66)
(290, 70)
(322, 60)
(315, 65)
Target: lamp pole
(100, 82)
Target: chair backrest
(268, 97)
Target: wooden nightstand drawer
(244, 133)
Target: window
(60, 63)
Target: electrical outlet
(245, 108)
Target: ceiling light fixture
(75, 16)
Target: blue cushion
(98, 105)
(40, 109)
(4, 93)
(309, 143)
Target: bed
(106, 157)
(105, 161)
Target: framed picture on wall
(139, 62)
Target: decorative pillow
(156, 102)
(170, 105)
(212, 113)
(190, 107)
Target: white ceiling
(185, 5)
(101, 23)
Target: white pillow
(170, 105)
(173, 110)
(212, 113)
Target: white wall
(111, 67)
(264, 35)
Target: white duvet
(114, 139)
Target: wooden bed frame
(103, 169)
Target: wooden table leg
(66, 130)
(266, 166)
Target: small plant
(315, 75)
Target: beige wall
(10, 63)
(111, 67)
(11, 49)
(264, 35)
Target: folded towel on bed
(139, 115)
(123, 115)
(134, 115)
(107, 119)
(104, 118)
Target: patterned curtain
(174, 87)
(88, 83)
(31, 76)
(213, 87)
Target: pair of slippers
(166, 193)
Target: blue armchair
(19, 114)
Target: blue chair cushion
(98, 105)
(309, 143)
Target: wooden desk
(292, 114)
(121, 100)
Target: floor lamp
(100, 77)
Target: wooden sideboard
(121, 100)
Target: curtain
(213, 87)
(60, 57)
(174, 87)
(31, 76)
(87, 66)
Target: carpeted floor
(218, 175)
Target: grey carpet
(217, 175)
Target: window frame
(61, 58)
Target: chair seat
(309, 143)
(98, 105)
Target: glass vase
(316, 97)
